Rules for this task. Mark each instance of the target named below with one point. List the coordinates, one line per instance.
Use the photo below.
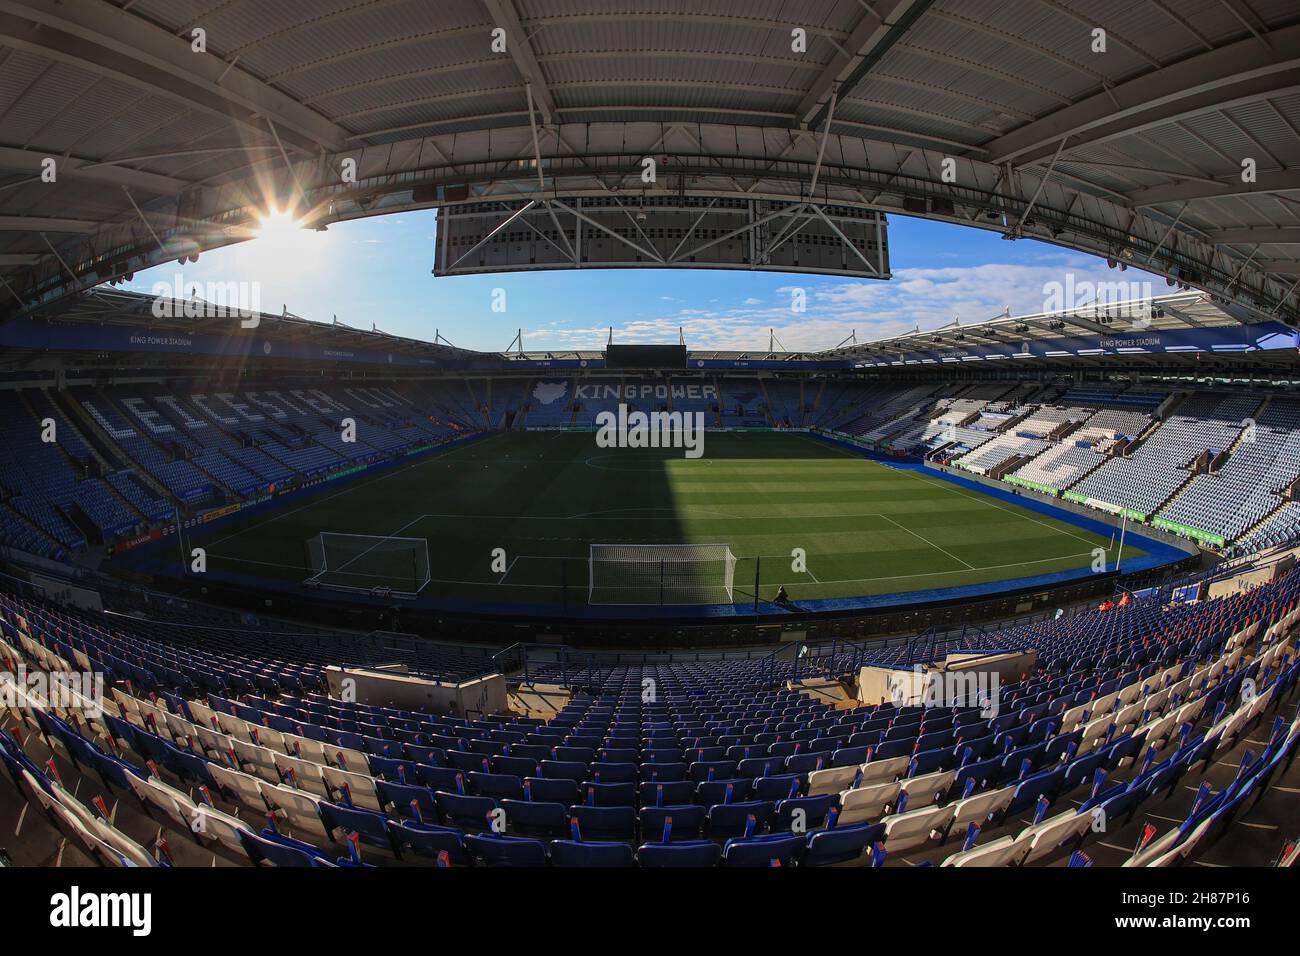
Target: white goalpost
(661, 574)
(381, 565)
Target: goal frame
(724, 557)
(407, 590)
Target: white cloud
(926, 297)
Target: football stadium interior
(289, 592)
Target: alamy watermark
(633, 429)
(935, 688)
(180, 299)
(81, 691)
(1122, 299)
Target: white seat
(245, 787)
(1097, 726)
(256, 760)
(267, 737)
(998, 853)
(213, 826)
(926, 789)
(169, 800)
(1043, 839)
(361, 786)
(1128, 716)
(233, 726)
(202, 713)
(1158, 730)
(877, 771)
(216, 745)
(1070, 718)
(307, 775)
(868, 802)
(181, 730)
(831, 780)
(1190, 711)
(297, 808)
(979, 807)
(305, 748)
(127, 702)
(345, 758)
(905, 831)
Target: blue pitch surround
(1158, 554)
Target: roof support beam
(504, 16)
(1284, 180)
(94, 35)
(29, 160)
(1252, 235)
(1240, 71)
(1288, 267)
(40, 224)
(872, 39)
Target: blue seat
(536, 818)
(447, 779)
(371, 827)
(495, 850)
(394, 769)
(188, 766)
(465, 761)
(425, 839)
(552, 791)
(605, 823)
(614, 773)
(671, 793)
(734, 819)
(783, 787)
(813, 811)
(663, 772)
(463, 810)
(845, 844)
(760, 766)
(609, 794)
(400, 796)
(565, 770)
(502, 786)
(807, 762)
(1045, 784)
(849, 756)
(723, 791)
(515, 766)
(690, 854)
(687, 822)
(572, 853)
(784, 849)
(271, 849)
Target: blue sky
(378, 271)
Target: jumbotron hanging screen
(645, 356)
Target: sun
(282, 244)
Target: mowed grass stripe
(544, 497)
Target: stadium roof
(168, 142)
(1171, 332)
(1180, 311)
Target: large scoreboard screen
(645, 356)
(661, 232)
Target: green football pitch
(544, 497)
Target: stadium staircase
(1194, 467)
(102, 445)
(810, 413)
(1262, 522)
(767, 403)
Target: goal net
(661, 574)
(369, 564)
